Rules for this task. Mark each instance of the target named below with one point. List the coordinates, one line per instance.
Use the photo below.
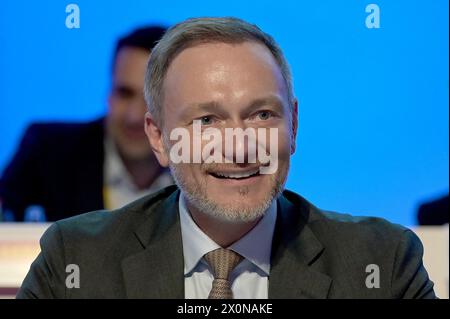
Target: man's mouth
(238, 175)
(134, 132)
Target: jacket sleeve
(409, 278)
(46, 277)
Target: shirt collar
(255, 246)
(117, 176)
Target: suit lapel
(295, 249)
(157, 271)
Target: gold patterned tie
(222, 261)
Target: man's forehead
(130, 64)
(128, 56)
(220, 50)
(220, 62)
(220, 73)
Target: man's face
(127, 105)
(227, 86)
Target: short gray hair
(196, 31)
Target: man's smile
(242, 177)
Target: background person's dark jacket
(58, 166)
(137, 252)
(434, 212)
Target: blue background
(373, 116)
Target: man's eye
(264, 115)
(206, 120)
(124, 92)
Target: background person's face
(226, 80)
(127, 107)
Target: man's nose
(239, 144)
(135, 112)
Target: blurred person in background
(62, 169)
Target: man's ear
(294, 126)
(155, 138)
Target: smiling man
(228, 229)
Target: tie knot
(222, 261)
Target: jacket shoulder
(360, 224)
(353, 243)
(96, 243)
(105, 224)
(62, 130)
(343, 224)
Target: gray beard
(234, 213)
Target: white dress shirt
(250, 278)
(118, 186)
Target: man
(228, 229)
(63, 169)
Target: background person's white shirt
(250, 278)
(118, 186)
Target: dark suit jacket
(136, 252)
(58, 166)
